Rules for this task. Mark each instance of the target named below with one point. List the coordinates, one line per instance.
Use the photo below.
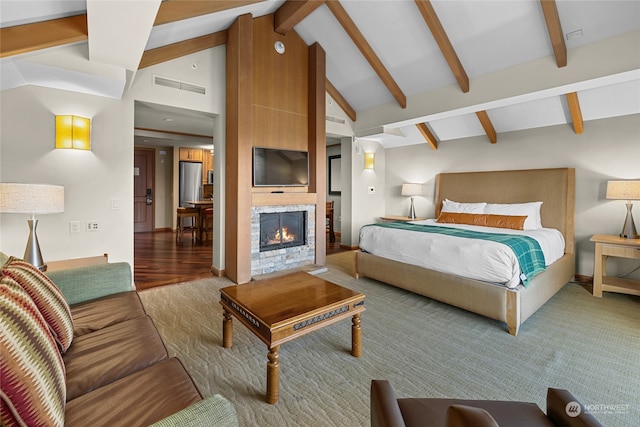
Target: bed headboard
(554, 187)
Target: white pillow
(451, 206)
(531, 210)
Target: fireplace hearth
(282, 230)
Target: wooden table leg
(227, 329)
(273, 375)
(356, 336)
(599, 270)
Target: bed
(555, 188)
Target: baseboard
(349, 248)
(583, 280)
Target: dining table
(201, 205)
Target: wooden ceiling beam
(41, 35)
(342, 103)
(550, 11)
(352, 30)
(485, 121)
(177, 10)
(576, 113)
(428, 136)
(292, 12)
(176, 50)
(437, 30)
(57, 32)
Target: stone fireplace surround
(286, 258)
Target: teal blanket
(526, 249)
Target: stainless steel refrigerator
(190, 183)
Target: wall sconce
(625, 190)
(73, 132)
(369, 160)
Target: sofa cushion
(48, 298)
(468, 416)
(31, 368)
(102, 312)
(505, 413)
(139, 399)
(106, 355)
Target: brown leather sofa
(563, 409)
(118, 370)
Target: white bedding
(473, 258)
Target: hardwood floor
(158, 260)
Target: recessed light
(279, 47)
(168, 119)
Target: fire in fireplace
(282, 230)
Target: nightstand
(616, 246)
(399, 218)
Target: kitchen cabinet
(191, 154)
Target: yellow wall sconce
(369, 161)
(73, 132)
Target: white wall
(92, 179)
(608, 149)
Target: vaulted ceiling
(406, 72)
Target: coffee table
(284, 308)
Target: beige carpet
(588, 345)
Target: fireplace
(286, 257)
(282, 230)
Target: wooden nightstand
(621, 247)
(399, 218)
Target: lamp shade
(411, 189)
(623, 190)
(31, 198)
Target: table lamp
(32, 199)
(411, 190)
(625, 190)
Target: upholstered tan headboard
(554, 187)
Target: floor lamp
(32, 199)
(625, 190)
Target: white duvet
(473, 258)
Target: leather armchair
(387, 411)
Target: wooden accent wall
(280, 82)
(238, 149)
(278, 101)
(318, 144)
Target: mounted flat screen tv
(280, 168)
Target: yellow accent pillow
(513, 222)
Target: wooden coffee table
(283, 308)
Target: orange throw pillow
(512, 222)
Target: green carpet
(587, 345)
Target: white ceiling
(489, 37)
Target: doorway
(160, 132)
(143, 189)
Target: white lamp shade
(411, 189)
(31, 198)
(623, 190)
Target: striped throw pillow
(32, 373)
(47, 297)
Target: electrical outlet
(93, 226)
(74, 227)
